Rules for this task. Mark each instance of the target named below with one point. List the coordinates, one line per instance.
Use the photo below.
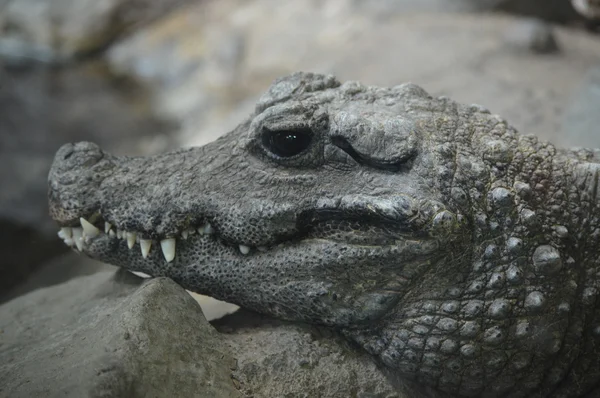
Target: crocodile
(457, 252)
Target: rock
(551, 10)
(533, 35)
(281, 359)
(582, 119)
(58, 30)
(43, 108)
(588, 8)
(209, 62)
(109, 335)
(113, 334)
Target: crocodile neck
(520, 320)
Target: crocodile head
(393, 216)
(325, 206)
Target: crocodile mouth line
(94, 227)
(78, 237)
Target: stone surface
(109, 335)
(533, 36)
(582, 119)
(55, 31)
(209, 62)
(114, 334)
(281, 359)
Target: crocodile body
(459, 253)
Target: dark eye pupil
(287, 143)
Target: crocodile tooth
(69, 242)
(262, 248)
(184, 234)
(107, 227)
(111, 233)
(130, 239)
(168, 248)
(244, 249)
(137, 239)
(145, 245)
(65, 232)
(119, 234)
(191, 231)
(78, 238)
(89, 229)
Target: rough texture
(281, 359)
(457, 252)
(110, 335)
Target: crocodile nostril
(79, 155)
(74, 178)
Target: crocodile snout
(76, 172)
(81, 154)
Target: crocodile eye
(287, 143)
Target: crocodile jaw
(255, 252)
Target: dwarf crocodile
(459, 253)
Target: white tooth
(191, 231)
(184, 234)
(69, 242)
(208, 229)
(130, 239)
(65, 232)
(111, 233)
(89, 229)
(262, 248)
(244, 249)
(145, 244)
(107, 227)
(168, 248)
(78, 238)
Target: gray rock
(209, 72)
(54, 31)
(533, 35)
(281, 359)
(109, 335)
(114, 335)
(582, 119)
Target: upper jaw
(78, 237)
(159, 200)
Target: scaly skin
(459, 253)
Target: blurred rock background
(145, 76)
